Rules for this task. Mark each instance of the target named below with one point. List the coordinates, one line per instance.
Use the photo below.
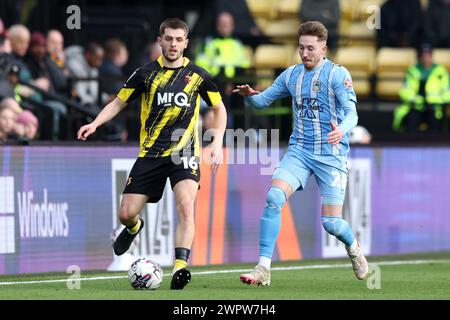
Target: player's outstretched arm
(245, 90)
(108, 112)
(261, 100)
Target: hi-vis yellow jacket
(227, 53)
(437, 92)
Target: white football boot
(260, 276)
(359, 262)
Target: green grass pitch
(420, 276)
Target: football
(145, 274)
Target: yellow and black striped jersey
(170, 105)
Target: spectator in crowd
(11, 104)
(424, 94)
(19, 39)
(112, 78)
(222, 56)
(57, 63)
(116, 56)
(26, 126)
(13, 76)
(438, 23)
(325, 11)
(42, 67)
(401, 23)
(7, 121)
(223, 53)
(245, 27)
(6, 89)
(85, 64)
(35, 58)
(55, 48)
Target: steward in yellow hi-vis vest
(223, 53)
(424, 94)
(170, 100)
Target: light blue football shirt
(319, 96)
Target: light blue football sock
(339, 228)
(271, 221)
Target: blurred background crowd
(53, 79)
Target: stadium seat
(395, 61)
(262, 23)
(271, 56)
(391, 66)
(283, 31)
(349, 10)
(262, 8)
(442, 56)
(357, 58)
(360, 61)
(288, 9)
(356, 34)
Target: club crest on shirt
(187, 79)
(316, 86)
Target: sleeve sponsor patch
(348, 83)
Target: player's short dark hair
(313, 28)
(173, 23)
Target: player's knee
(127, 214)
(125, 219)
(276, 198)
(333, 225)
(185, 209)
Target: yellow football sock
(179, 264)
(136, 227)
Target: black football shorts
(149, 175)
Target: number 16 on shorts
(190, 162)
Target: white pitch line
(61, 280)
(324, 266)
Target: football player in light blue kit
(324, 106)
